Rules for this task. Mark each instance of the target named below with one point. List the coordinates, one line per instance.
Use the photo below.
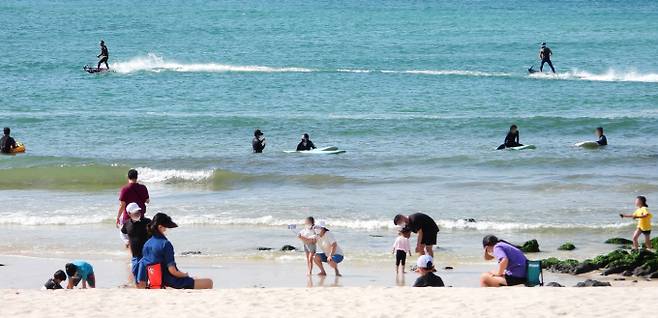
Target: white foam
(609, 76)
(150, 175)
(457, 72)
(154, 63)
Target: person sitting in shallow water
(511, 263)
(306, 144)
(512, 138)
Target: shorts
(400, 258)
(429, 238)
(512, 280)
(179, 283)
(336, 258)
(310, 248)
(91, 280)
(134, 262)
(647, 233)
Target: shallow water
(417, 93)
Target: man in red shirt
(131, 192)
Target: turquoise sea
(418, 93)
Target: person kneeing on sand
(424, 226)
(511, 263)
(158, 250)
(426, 270)
(80, 271)
(331, 253)
(643, 217)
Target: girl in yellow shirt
(643, 217)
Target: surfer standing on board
(545, 57)
(103, 56)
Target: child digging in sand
(80, 271)
(56, 281)
(400, 248)
(307, 236)
(643, 217)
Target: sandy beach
(335, 302)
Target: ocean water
(418, 94)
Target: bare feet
(322, 273)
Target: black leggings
(400, 258)
(541, 67)
(103, 60)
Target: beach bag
(154, 273)
(535, 275)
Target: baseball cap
(133, 208)
(322, 224)
(425, 261)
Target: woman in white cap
(330, 253)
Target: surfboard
(91, 69)
(319, 151)
(587, 144)
(524, 147)
(531, 70)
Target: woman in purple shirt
(511, 263)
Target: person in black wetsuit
(603, 141)
(258, 143)
(545, 57)
(6, 142)
(512, 138)
(103, 56)
(306, 144)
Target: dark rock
(470, 220)
(2, 265)
(584, 267)
(627, 273)
(614, 270)
(265, 248)
(654, 275)
(619, 241)
(448, 268)
(592, 283)
(647, 268)
(620, 279)
(531, 246)
(553, 284)
(287, 248)
(568, 246)
(375, 235)
(191, 253)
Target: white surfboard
(524, 147)
(319, 151)
(587, 144)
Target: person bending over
(424, 226)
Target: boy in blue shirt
(80, 271)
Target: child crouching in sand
(56, 281)
(307, 236)
(426, 271)
(643, 217)
(80, 271)
(400, 248)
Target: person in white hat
(426, 270)
(136, 229)
(331, 253)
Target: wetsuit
(305, 145)
(603, 141)
(545, 55)
(511, 140)
(103, 57)
(7, 143)
(258, 144)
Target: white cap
(133, 208)
(321, 224)
(425, 261)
